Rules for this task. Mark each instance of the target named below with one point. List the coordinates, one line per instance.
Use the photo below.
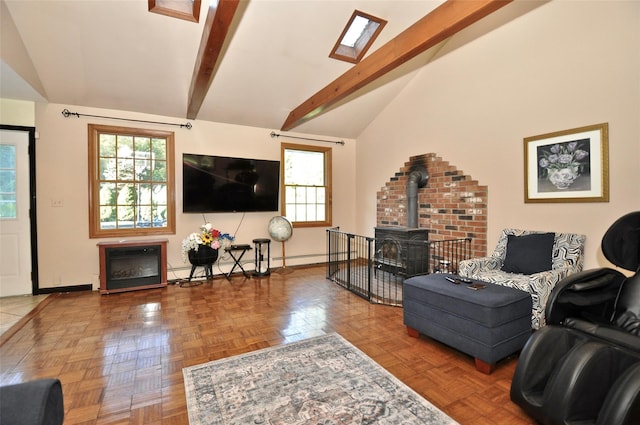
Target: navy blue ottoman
(488, 324)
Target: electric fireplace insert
(132, 265)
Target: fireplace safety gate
(372, 269)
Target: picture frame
(567, 166)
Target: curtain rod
(339, 142)
(66, 113)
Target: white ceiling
(115, 54)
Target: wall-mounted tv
(224, 184)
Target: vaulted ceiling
(273, 69)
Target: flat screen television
(224, 184)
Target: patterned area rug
(323, 380)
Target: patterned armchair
(566, 258)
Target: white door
(15, 233)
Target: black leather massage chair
(584, 366)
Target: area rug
(323, 380)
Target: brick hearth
(452, 205)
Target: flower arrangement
(563, 155)
(207, 236)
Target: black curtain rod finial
(66, 113)
(273, 134)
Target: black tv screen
(224, 184)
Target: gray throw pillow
(528, 254)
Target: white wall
(66, 254)
(561, 65)
(14, 58)
(17, 112)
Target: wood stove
(402, 250)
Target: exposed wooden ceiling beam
(216, 30)
(441, 23)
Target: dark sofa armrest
(577, 293)
(36, 402)
(609, 334)
(589, 280)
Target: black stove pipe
(417, 178)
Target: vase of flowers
(563, 163)
(201, 248)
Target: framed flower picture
(567, 166)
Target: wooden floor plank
(120, 356)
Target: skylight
(189, 10)
(355, 31)
(357, 36)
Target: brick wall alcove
(451, 206)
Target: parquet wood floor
(120, 356)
